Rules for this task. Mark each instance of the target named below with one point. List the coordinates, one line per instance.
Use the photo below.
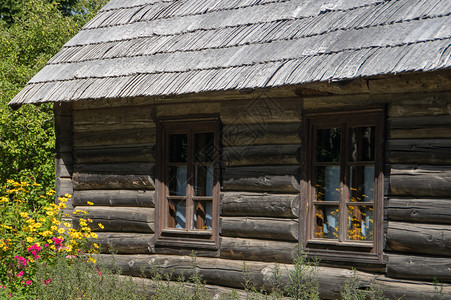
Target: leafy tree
(10, 10)
(37, 32)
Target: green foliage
(303, 283)
(81, 280)
(353, 290)
(11, 10)
(37, 31)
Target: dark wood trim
(166, 234)
(341, 248)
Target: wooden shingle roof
(163, 47)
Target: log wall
(113, 174)
(418, 154)
(106, 156)
(418, 180)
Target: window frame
(170, 236)
(331, 249)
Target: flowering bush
(32, 232)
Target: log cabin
(244, 129)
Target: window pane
(326, 225)
(328, 145)
(177, 180)
(203, 180)
(178, 145)
(203, 215)
(362, 143)
(177, 214)
(362, 184)
(360, 223)
(328, 183)
(204, 147)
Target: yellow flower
(95, 246)
(46, 233)
(4, 199)
(37, 225)
(94, 235)
(30, 239)
(61, 230)
(101, 225)
(90, 203)
(50, 213)
(62, 205)
(67, 224)
(54, 227)
(91, 259)
(68, 195)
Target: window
(188, 188)
(343, 197)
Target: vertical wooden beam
(64, 146)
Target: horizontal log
(424, 151)
(106, 182)
(261, 228)
(420, 210)
(260, 134)
(421, 104)
(108, 103)
(419, 181)
(419, 267)
(259, 205)
(262, 178)
(229, 273)
(124, 219)
(213, 270)
(420, 239)
(148, 287)
(261, 155)
(270, 184)
(112, 118)
(262, 109)
(136, 153)
(125, 243)
(116, 169)
(256, 250)
(115, 137)
(115, 198)
(420, 127)
(189, 108)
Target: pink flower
(19, 274)
(21, 260)
(46, 282)
(28, 282)
(98, 272)
(47, 245)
